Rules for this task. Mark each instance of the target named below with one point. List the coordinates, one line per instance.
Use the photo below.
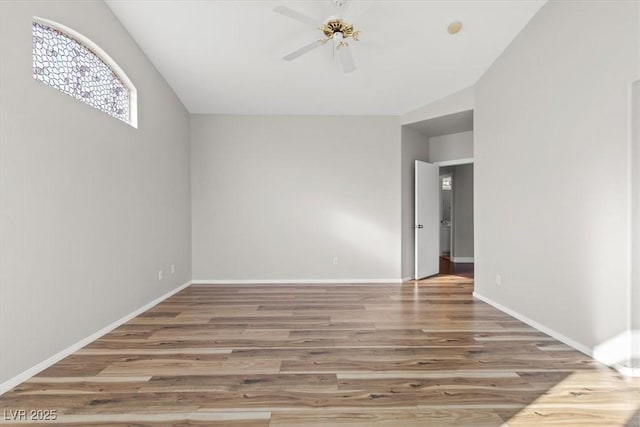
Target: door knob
(418, 226)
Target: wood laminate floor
(416, 354)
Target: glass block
(67, 65)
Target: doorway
(442, 141)
(456, 219)
(443, 220)
(446, 213)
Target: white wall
(91, 207)
(455, 146)
(634, 299)
(415, 146)
(552, 167)
(278, 197)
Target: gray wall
(445, 203)
(453, 146)
(635, 235)
(91, 207)
(551, 169)
(462, 212)
(278, 197)
(415, 146)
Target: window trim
(98, 51)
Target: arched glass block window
(71, 63)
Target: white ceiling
(226, 56)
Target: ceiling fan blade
(346, 59)
(300, 17)
(308, 48)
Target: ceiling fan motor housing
(334, 26)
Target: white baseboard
(557, 335)
(462, 259)
(608, 353)
(22, 377)
(293, 281)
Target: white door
(427, 220)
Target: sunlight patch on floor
(584, 398)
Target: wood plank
(388, 418)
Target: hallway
(464, 269)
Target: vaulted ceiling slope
(225, 57)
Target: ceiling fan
(335, 30)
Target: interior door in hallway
(427, 219)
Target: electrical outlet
(173, 269)
(498, 279)
(159, 274)
(335, 260)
